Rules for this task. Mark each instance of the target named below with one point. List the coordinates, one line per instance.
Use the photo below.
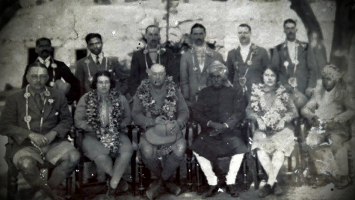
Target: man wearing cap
(246, 62)
(330, 112)
(57, 71)
(36, 121)
(194, 64)
(295, 60)
(160, 109)
(218, 110)
(144, 58)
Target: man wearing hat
(160, 109)
(218, 110)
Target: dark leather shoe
(173, 188)
(211, 192)
(276, 189)
(152, 192)
(265, 191)
(232, 190)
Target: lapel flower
(254, 49)
(54, 66)
(47, 93)
(50, 101)
(26, 95)
(161, 50)
(87, 61)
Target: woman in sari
(103, 114)
(273, 110)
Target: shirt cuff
(208, 123)
(226, 125)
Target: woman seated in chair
(103, 114)
(273, 110)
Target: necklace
(146, 51)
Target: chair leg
(177, 176)
(351, 168)
(141, 177)
(81, 177)
(189, 170)
(11, 182)
(245, 173)
(133, 172)
(198, 175)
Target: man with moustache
(160, 109)
(57, 70)
(96, 61)
(195, 63)
(36, 120)
(152, 53)
(246, 61)
(295, 60)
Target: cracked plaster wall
(121, 24)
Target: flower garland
(271, 115)
(110, 137)
(169, 108)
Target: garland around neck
(168, 109)
(110, 137)
(160, 51)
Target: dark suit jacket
(62, 71)
(191, 77)
(237, 67)
(224, 105)
(138, 67)
(110, 64)
(56, 117)
(306, 71)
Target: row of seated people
(37, 120)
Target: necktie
(97, 60)
(39, 101)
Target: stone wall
(121, 24)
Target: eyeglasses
(103, 82)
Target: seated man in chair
(329, 112)
(37, 120)
(218, 110)
(160, 109)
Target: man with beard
(246, 61)
(195, 63)
(330, 112)
(160, 109)
(295, 60)
(218, 110)
(152, 53)
(57, 70)
(96, 61)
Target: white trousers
(212, 179)
(271, 165)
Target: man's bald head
(157, 74)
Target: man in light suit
(144, 58)
(295, 60)
(96, 61)
(56, 71)
(246, 62)
(195, 63)
(36, 121)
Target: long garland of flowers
(169, 108)
(110, 137)
(271, 115)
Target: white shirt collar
(246, 47)
(101, 56)
(46, 62)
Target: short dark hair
(35, 64)
(151, 26)
(43, 39)
(197, 25)
(102, 73)
(92, 35)
(245, 25)
(290, 21)
(273, 69)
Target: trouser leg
(207, 169)
(234, 167)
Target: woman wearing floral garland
(273, 110)
(103, 114)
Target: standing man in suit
(245, 63)
(152, 53)
(296, 61)
(96, 61)
(56, 71)
(195, 63)
(36, 121)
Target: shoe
(211, 192)
(153, 189)
(122, 186)
(265, 191)
(232, 190)
(173, 188)
(276, 189)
